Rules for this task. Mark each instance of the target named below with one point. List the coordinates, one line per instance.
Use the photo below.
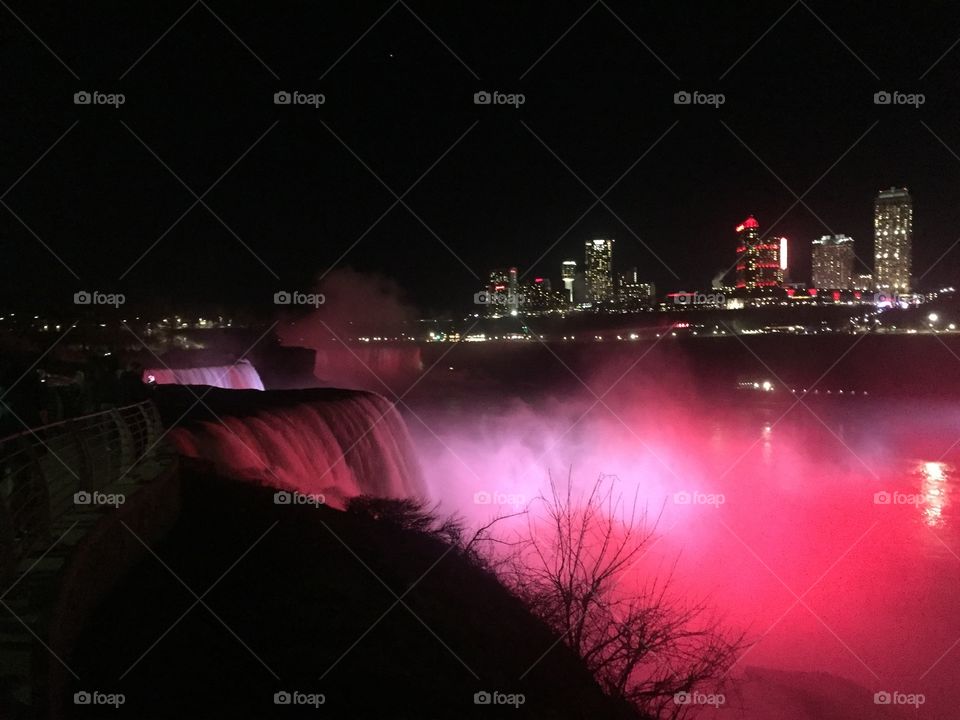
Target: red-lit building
(758, 261)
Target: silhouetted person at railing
(132, 389)
(106, 383)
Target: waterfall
(239, 376)
(332, 442)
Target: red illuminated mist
(361, 333)
(758, 509)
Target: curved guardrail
(43, 469)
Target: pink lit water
(830, 535)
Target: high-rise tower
(599, 270)
(893, 239)
(758, 262)
(833, 262)
(569, 275)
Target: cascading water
(366, 367)
(336, 443)
(239, 376)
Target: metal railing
(41, 469)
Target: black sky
(798, 101)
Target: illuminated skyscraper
(759, 263)
(599, 270)
(833, 262)
(539, 297)
(631, 293)
(569, 275)
(502, 293)
(892, 238)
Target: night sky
(289, 182)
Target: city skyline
(762, 260)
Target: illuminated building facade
(833, 262)
(569, 275)
(864, 281)
(760, 264)
(631, 293)
(599, 270)
(503, 297)
(539, 297)
(892, 238)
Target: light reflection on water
(927, 484)
(936, 483)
